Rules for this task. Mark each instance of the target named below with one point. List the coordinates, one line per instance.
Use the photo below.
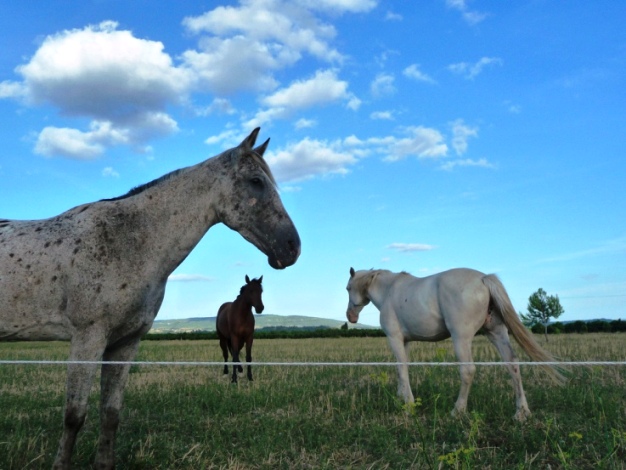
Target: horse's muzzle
(286, 254)
(353, 316)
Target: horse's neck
(380, 285)
(176, 214)
(242, 306)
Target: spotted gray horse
(96, 274)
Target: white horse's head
(358, 284)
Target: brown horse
(235, 324)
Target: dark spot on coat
(76, 250)
(38, 229)
(59, 241)
(47, 244)
(54, 278)
(11, 255)
(123, 286)
(77, 241)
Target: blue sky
(415, 136)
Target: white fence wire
(312, 364)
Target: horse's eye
(256, 181)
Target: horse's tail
(501, 303)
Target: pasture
(190, 417)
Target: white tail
(502, 304)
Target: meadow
(191, 417)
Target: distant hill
(261, 321)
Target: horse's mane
(141, 188)
(246, 285)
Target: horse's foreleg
(224, 346)
(463, 350)
(80, 377)
(112, 383)
(499, 337)
(249, 355)
(399, 349)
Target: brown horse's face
(252, 292)
(253, 207)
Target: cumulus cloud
(322, 89)
(122, 83)
(471, 71)
(309, 158)
(410, 247)
(383, 115)
(481, 163)
(471, 17)
(383, 85)
(460, 134)
(242, 46)
(110, 172)
(340, 6)
(413, 72)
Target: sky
(416, 136)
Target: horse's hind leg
(234, 351)
(80, 377)
(499, 337)
(249, 355)
(112, 383)
(463, 350)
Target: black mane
(141, 188)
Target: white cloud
(110, 172)
(322, 89)
(303, 123)
(122, 83)
(413, 71)
(392, 16)
(217, 106)
(67, 142)
(267, 35)
(460, 134)
(9, 89)
(307, 159)
(383, 85)
(481, 163)
(410, 247)
(340, 6)
(419, 141)
(384, 115)
(470, 17)
(189, 278)
(471, 71)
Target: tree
(541, 308)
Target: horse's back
(433, 307)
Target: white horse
(96, 274)
(455, 303)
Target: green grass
(326, 417)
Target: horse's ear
(260, 279)
(247, 279)
(249, 141)
(261, 148)
(351, 272)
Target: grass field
(326, 417)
